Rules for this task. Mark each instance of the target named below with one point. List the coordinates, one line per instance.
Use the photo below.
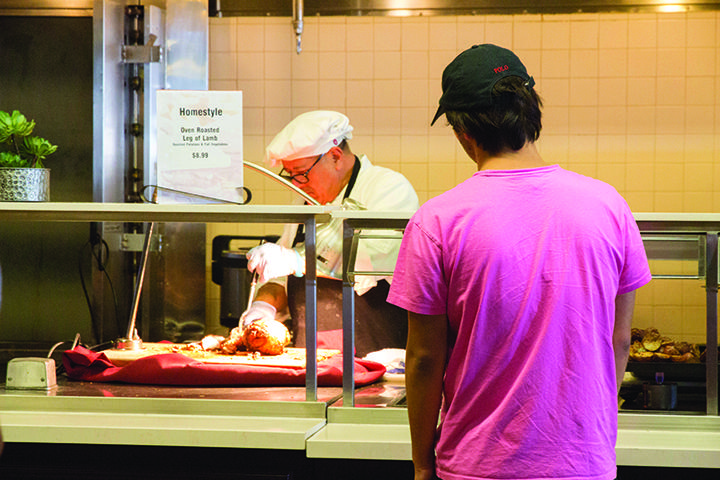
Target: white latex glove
(271, 260)
(258, 310)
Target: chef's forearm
(274, 294)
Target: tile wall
(631, 99)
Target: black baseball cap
(468, 80)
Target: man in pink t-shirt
(519, 283)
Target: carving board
(291, 357)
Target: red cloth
(177, 369)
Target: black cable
(93, 321)
(102, 266)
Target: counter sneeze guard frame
(195, 213)
(701, 229)
(354, 221)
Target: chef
(315, 155)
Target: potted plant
(23, 176)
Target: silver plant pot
(24, 184)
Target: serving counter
(367, 423)
(672, 439)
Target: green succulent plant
(17, 147)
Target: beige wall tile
(612, 173)
(642, 32)
(701, 61)
(642, 91)
(361, 93)
(221, 36)
(700, 120)
(332, 34)
(388, 65)
(332, 65)
(668, 201)
(278, 35)
(613, 62)
(671, 62)
(386, 35)
(278, 65)
(415, 35)
(585, 32)
(583, 91)
(305, 66)
(360, 34)
(413, 149)
(249, 35)
(387, 121)
(360, 65)
(499, 30)
(387, 152)
(672, 31)
(416, 64)
(305, 93)
(584, 63)
(332, 94)
(527, 34)
(470, 31)
(417, 175)
(222, 65)
(669, 177)
(612, 120)
(442, 33)
(414, 93)
(613, 32)
(388, 93)
(555, 63)
(702, 31)
(671, 90)
(612, 149)
(582, 120)
(554, 91)
(555, 33)
(220, 85)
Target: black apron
(378, 324)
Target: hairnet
(309, 134)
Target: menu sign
(199, 138)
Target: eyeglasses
(301, 178)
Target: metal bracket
(141, 53)
(132, 242)
(149, 53)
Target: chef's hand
(271, 260)
(258, 310)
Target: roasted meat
(649, 346)
(234, 342)
(266, 336)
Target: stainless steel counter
(118, 414)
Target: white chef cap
(309, 134)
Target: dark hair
(512, 121)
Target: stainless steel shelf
(147, 212)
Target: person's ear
(337, 154)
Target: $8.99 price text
(197, 155)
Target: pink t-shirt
(527, 265)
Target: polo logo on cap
(501, 69)
(335, 142)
